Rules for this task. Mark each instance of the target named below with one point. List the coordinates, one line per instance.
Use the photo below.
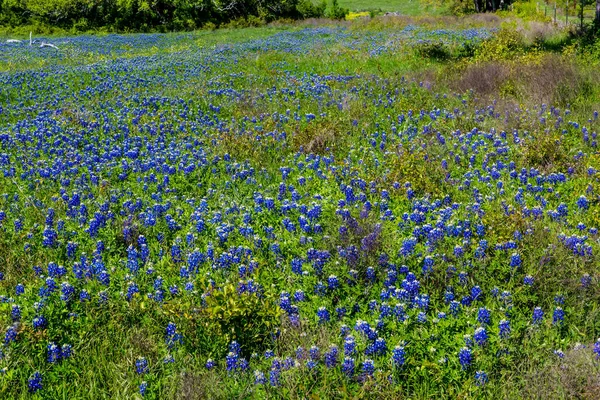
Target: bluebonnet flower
(559, 353)
(300, 353)
(235, 347)
(483, 316)
(19, 289)
(380, 346)
(104, 278)
(558, 316)
(10, 335)
(515, 260)
(459, 251)
(132, 290)
(331, 357)
(84, 295)
(528, 280)
(34, 383)
(462, 278)
(586, 281)
(66, 351)
(348, 366)
(368, 367)
(596, 349)
(40, 322)
(103, 297)
(454, 307)
(481, 378)
(15, 313)
(323, 315)
(231, 361)
(398, 356)
(476, 293)
(172, 337)
(169, 359)
(465, 357)
(468, 340)
(504, 327)
(583, 203)
(54, 353)
(408, 246)
(371, 274)
(538, 315)
(50, 285)
(67, 291)
(210, 364)
(71, 249)
(332, 282)
(314, 353)
(141, 365)
(143, 388)
(259, 378)
(349, 345)
(559, 299)
(480, 336)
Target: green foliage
(436, 50)
(528, 11)
(308, 9)
(151, 15)
(249, 319)
(337, 12)
(503, 46)
(460, 7)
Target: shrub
(246, 318)
(505, 45)
(307, 9)
(337, 12)
(460, 7)
(436, 50)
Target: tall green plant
(337, 12)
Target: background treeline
(461, 7)
(157, 15)
(471, 6)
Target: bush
(433, 50)
(337, 12)
(505, 45)
(307, 9)
(460, 7)
(247, 318)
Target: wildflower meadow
(320, 210)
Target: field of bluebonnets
(371, 210)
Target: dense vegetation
(145, 15)
(388, 208)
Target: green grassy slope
(406, 7)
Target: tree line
(161, 15)
(481, 6)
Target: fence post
(567, 13)
(554, 11)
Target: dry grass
(576, 376)
(484, 79)
(551, 79)
(536, 31)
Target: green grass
(404, 7)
